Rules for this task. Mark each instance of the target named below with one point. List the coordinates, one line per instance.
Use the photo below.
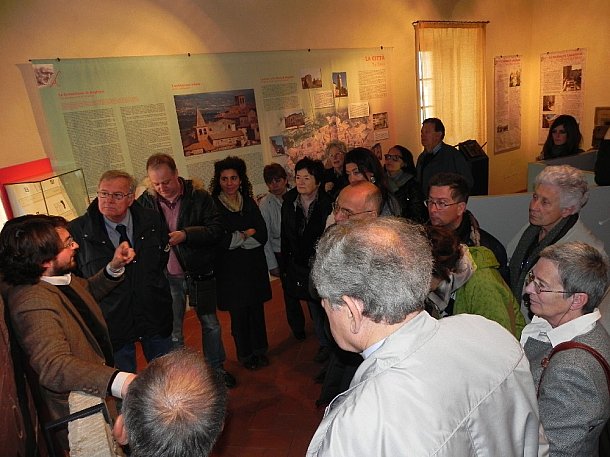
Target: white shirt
(541, 330)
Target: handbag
(201, 290)
(604, 438)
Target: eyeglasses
(115, 195)
(393, 157)
(347, 213)
(531, 279)
(69, 242)
(439, 204)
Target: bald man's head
(361, 200)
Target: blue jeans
(153, 347)
(211, 336)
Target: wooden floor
(272, 411)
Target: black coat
(411, 201)
(299, 248)
(242, 278)
(142, 304)
(201, 221)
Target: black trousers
(249, 330)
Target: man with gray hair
(559, 194)
(140, 308)
(174, 408)
(565, 287)
(456, 386)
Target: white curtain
(451, 77)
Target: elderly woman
(334, 178)
(400, 170)
(563, 139)
(241, 269)
(466, 280)
(362, 165)
(559, 193)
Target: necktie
(123, 233)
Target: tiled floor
(272, 411)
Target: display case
(62, 194)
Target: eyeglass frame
(393, 157)
(69, 242)
(531, 278)
(439, 204)
(348, 212)
(118, 196)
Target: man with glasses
(564, 289)
(55, 315)
(361, 200)
(447, 200)
(140, 309)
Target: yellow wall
(93, 28)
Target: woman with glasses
(362, 165)
(242, 281)
(563, 139)
(400, 170)
(466, 280)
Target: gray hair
(175, 407)
(582, 268)
(119, 174)
(573, 187)
(384, 262)
(340, 145)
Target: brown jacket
(59, 346)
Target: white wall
(93, 28)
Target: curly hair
(231, 163)
(26, 243)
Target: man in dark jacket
(140, 308)
(195, 228)
(447, 200)
(438, 156)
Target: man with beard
(56, 316)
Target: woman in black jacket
(242, 281)
(400, 171)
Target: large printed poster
(562, 87)
(507, 103)
(280, 106)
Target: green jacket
(487, 295)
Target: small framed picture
(602, 115)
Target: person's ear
(579, 300)
(119, 431)
(354, 309)
(565, 212)
(461, 208)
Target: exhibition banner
(562, 87)
(113, 113)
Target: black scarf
(527, 251)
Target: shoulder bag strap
(574, 345)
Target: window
(451, 77)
